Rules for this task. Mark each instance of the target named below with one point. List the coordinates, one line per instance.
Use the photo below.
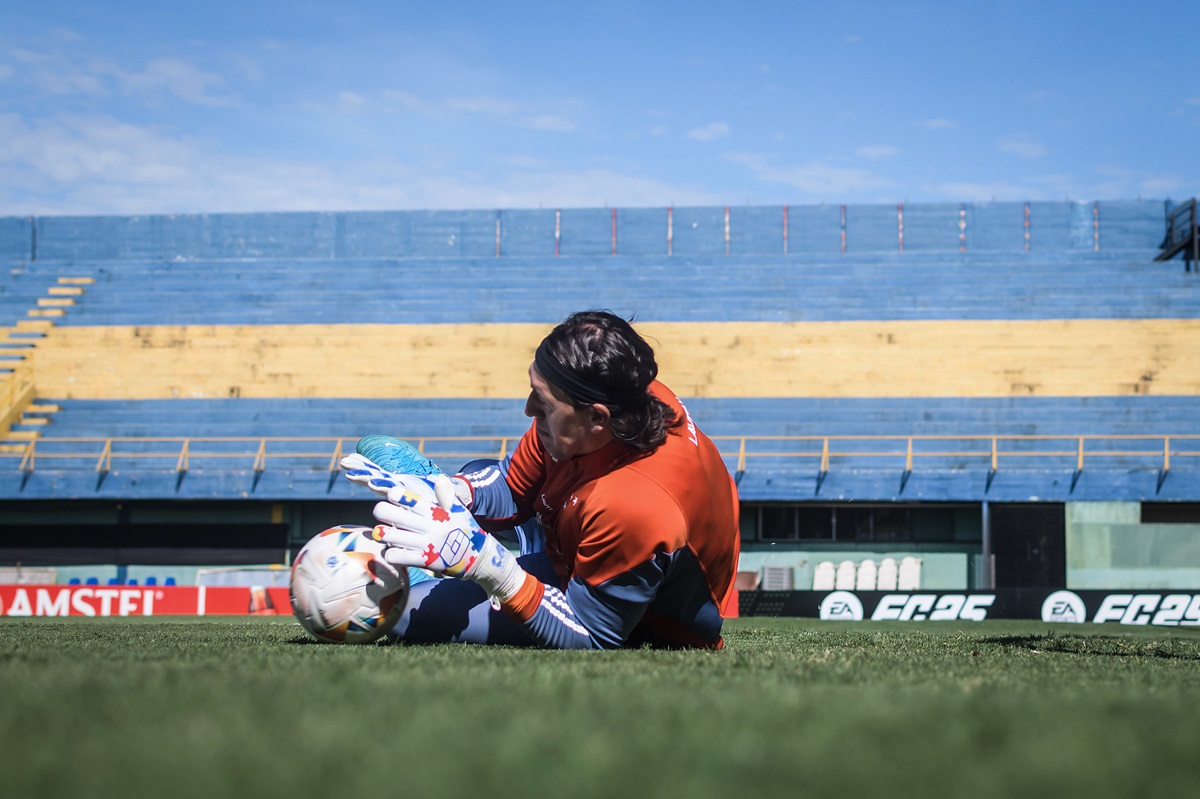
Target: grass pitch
(791, 707)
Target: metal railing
(100, 454)
(1183, 234)
(16, 389)
(742, 453)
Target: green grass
(791, 707)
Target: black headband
(580, 390)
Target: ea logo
(842, 605)
(1064, 606)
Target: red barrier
(132, 600)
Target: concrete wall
(940, 571)
(1038, 226)
(1108, 547)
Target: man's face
(564, 430)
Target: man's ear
(601, 418)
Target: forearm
(491, 501)
(548, 617)
(583, 616)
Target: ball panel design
(343, 590)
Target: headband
(577, 388)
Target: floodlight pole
(988, 581)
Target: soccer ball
(343, 590)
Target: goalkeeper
(638, 512)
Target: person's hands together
(423, 531)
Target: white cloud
(178, 78)
(939, 124)
(550, 122)
(986, 192)
(876, 152)
(816, 179)
(852, 39)
(351, 101)
(527, 162)
(6, 72)
(62, 70)
(1022, 147)
(491, 106)
(1118, 181)
(408, 102)
(500, 109)
(84, 149)
(100, 165)
(586, 188)
(57, 74)
(709, 132)
(1157, 186)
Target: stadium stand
(877, 376)
(865, 580)
(888, 575)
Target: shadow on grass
(1100, 645)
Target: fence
(742, 453)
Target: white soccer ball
(343, 590)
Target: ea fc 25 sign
(908, 607)
(1158, 607)
(1162, 607)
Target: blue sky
(184, 107)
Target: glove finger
(398, 556)
(399, 538)
(359, 475)
(443, 489)
(356, 461)
(416, 493)
(380, 485)
(360, 470)
(407, 518)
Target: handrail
(16, 390)
(828, 451)
(1182, 237)
(1175, 231)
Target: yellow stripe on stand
(712, 359)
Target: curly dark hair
(603, 349)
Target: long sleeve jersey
(645, 546)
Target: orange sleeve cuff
(523, 604)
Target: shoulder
(631, 502)
(625, 519)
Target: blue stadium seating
(887, 286)
(1074, 261)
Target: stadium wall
(779, 320)
(714, 359)
(731, 230)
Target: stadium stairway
(45, 298)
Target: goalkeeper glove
(443, 538)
